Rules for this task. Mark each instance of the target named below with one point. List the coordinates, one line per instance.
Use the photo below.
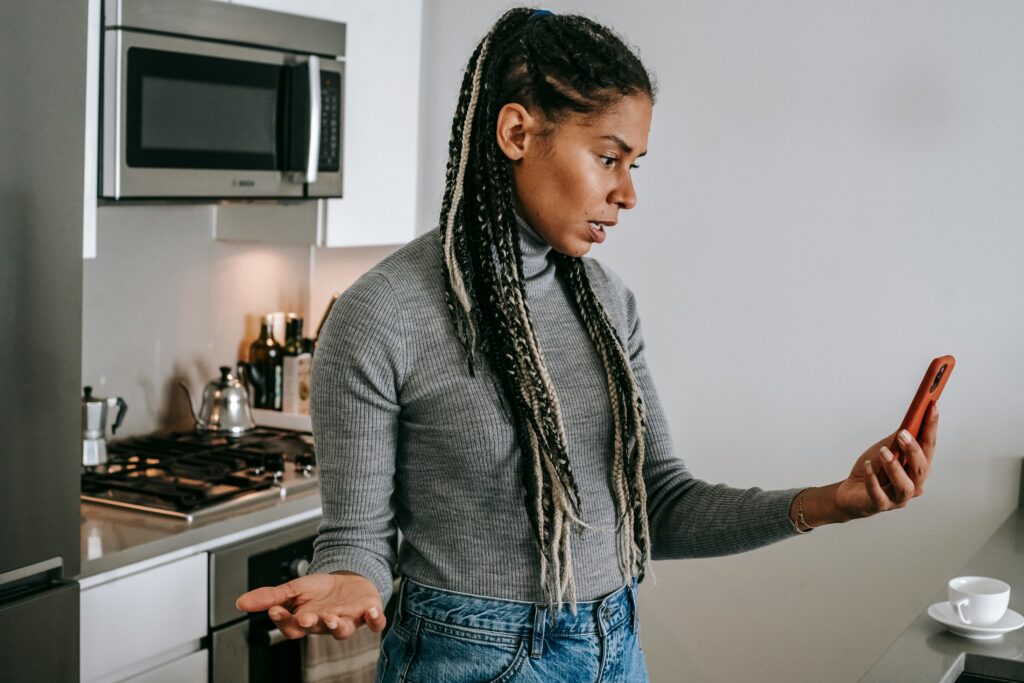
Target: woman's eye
(609, 162)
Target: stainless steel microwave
(206, 100)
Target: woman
(484, 389)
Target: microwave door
(190, 119)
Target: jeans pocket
(638, 660)
(462, 655)
(382, 666)
(394, 650)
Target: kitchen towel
(353, 660)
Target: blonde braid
(457, 283)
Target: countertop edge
(198, 539)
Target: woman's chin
(575, 248)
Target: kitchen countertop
(925, 651)
(113, 538)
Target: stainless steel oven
(250, 649)
(207, 99)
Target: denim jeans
(440, 636)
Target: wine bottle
(296, 369)
(265, 367)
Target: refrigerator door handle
(28, 571)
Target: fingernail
(904, 436)
(332, 625)
(373, 612)
(867, 466)
(886, 454)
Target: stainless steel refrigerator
(42, 129)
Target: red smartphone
(928, 393)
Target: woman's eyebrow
(622, 144)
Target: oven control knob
(298, 567)
(304, 464)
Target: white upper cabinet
(380, 117)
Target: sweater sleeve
(689, 517)
(357, 371)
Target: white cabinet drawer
(189, 669)
(136, 618)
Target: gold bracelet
(800, 520)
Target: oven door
(254, 651)
(187, 118)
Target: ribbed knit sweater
(407, 439)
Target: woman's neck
(534, 249)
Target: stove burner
(184, 472)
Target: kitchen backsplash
(164, 302)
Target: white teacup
(977, 600)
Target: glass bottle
(266, 370)
(296, 369)
(293, 335)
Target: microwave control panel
(330, 121)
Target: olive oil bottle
(266, 371)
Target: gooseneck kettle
(225, 408)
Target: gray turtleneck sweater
(407, 439)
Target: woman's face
(572, 178)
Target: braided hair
(559, 65)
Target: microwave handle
(313, 150)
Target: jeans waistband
(515, 617)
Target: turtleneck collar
(535, 250)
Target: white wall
(831, 199)
(334, 270)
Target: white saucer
(943, 613)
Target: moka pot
(95, 412)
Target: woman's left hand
(878, 482)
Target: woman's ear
(515, 128)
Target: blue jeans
(440, 636)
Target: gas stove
(190, 475)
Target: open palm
(319, 603)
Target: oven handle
(313, 151)
(269, 638)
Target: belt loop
(537, 637)
(399, 611)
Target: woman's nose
(624, 195)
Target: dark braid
(559, 65)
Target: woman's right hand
(337, 604)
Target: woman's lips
(597, 232)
